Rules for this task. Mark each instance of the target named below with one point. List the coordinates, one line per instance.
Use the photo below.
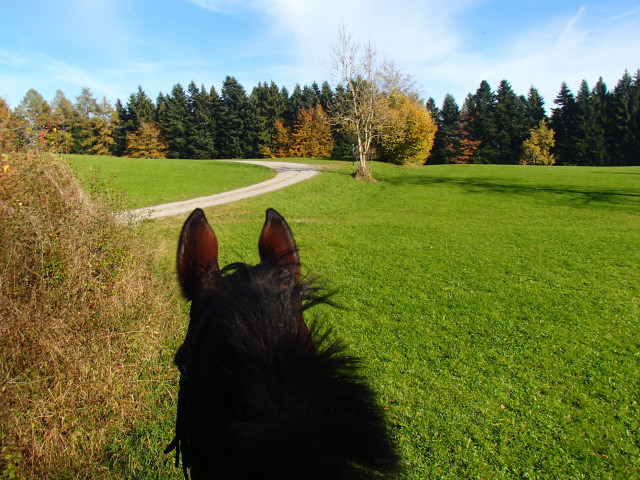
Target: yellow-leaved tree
(312, 133)
(146, 142)
(311, 136)
(407, 134)
(536, 150)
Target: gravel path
(286, 174)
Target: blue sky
(447, 46)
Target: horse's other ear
(276, 245)
(197, 254)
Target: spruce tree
(482, 127)
(445, 142)
(236, 130)
(326, 97)
(173, 118)
(510, 126)
(602, 126)
(563, 122)
(120, 130)
(269, 104)
(534, 109)
(310, 96)
(201, 124)
(294, 103)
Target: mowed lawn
(496, 309)
(142, 182)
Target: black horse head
(262, 396)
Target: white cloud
(584, 45)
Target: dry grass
(82, 324)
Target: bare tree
(358, 71)
(366, 81)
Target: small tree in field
(537, 148)
(357, 70)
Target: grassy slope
(143, 182)
(495, 306)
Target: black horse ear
(197, 254)
(276, 245)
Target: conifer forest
(596, 125)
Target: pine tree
(173, 118)
(294, 103)
(510, 127)
(534, 108)
(310, 96)
(482, 128)
(269, 104)
(463, 149)
(140, 108)
(326, 97)
(236, 131)
(563, 123)
(201, 123)
(344, 146)
(446, 139)
(602, 127)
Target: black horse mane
(282, 404)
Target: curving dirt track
(286, 174)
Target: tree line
(594, 127)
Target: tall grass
(83, 326)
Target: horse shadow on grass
(556, 194)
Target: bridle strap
(183, 360)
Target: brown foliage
(80, 321)
(311, 136)
(146, 142)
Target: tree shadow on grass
(557, 194)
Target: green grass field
(496, 309)
(142, 182)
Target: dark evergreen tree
(563, 122)
(344, 141)
(601, 144)
(236, 135)
(201, 123)
(326, 97)
(446, 139)
(432, 108)
(120, 130)
(173, 119)
(510, 125)
(294, 103)
(534, 109)
(625, 111)
(269, 104)
(140, 109)
(622, 113)
(310, 96)
(482, 128)
(585, 129)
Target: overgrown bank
(84, 325)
